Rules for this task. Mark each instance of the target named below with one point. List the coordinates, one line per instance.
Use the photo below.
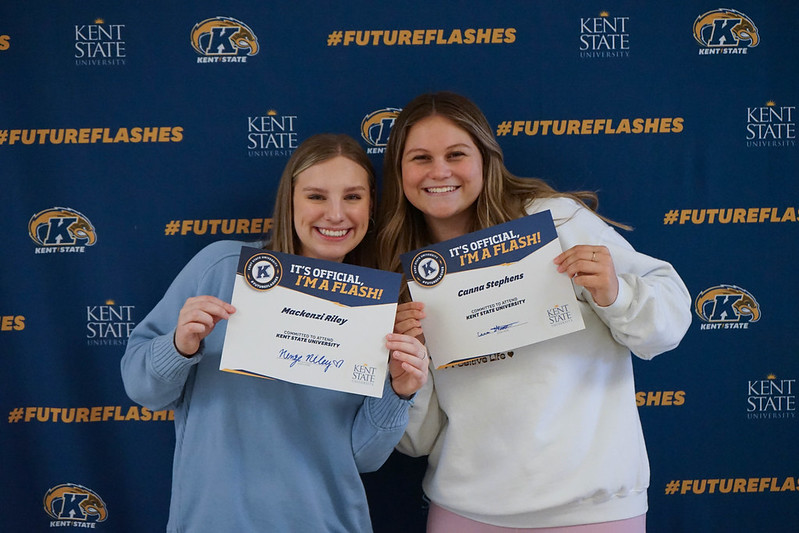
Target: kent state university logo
(376, 127)
(771, 398)
(100, 43)
(560, 314)
(72, 505)
(364, 374)
(604, 36)
(725, 31)
(271, 134)
(109, 324)
(428, 268)
(263, 271)
(726, 307)
(223, 39)
(61, 228)
(771, 125)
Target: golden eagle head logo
(376, 126)
(727, 303)
(744, 29)
(70, 501)
(61, 226)
(223, 36)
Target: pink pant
(440, 520)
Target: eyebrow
(322, 189)
(450, 147)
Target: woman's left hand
(408, 363)
(591, 267)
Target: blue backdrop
(133, 134)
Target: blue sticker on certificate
(310, 322)
(493, 290)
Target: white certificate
(311, 322)
(493, 290)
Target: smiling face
(332, 204)
(442, 175)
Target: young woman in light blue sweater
(266, 455)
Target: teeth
(441, 189)
(332, 232)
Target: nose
(440, 169)
(335, 210)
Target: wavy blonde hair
(314, 150)
(504, 196)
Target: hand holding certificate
(492, 290)
(311, 322)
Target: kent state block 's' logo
(263, 271)
(61, 227)
(223, 39)
(726, 307)
(69, 503)
(428, 268)
(725, 29)
(376, 126)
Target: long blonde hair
(314, 150)
(504, 196)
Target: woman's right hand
(197, 319)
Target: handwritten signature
(499, 328)
(310, 359)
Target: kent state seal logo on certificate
(493, 290)
(310, 322)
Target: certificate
(310, 321)
(492, 290)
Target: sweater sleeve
(653, 309)
(425, 420)
(153, 371)
(378, 427)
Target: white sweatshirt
(548, 435)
